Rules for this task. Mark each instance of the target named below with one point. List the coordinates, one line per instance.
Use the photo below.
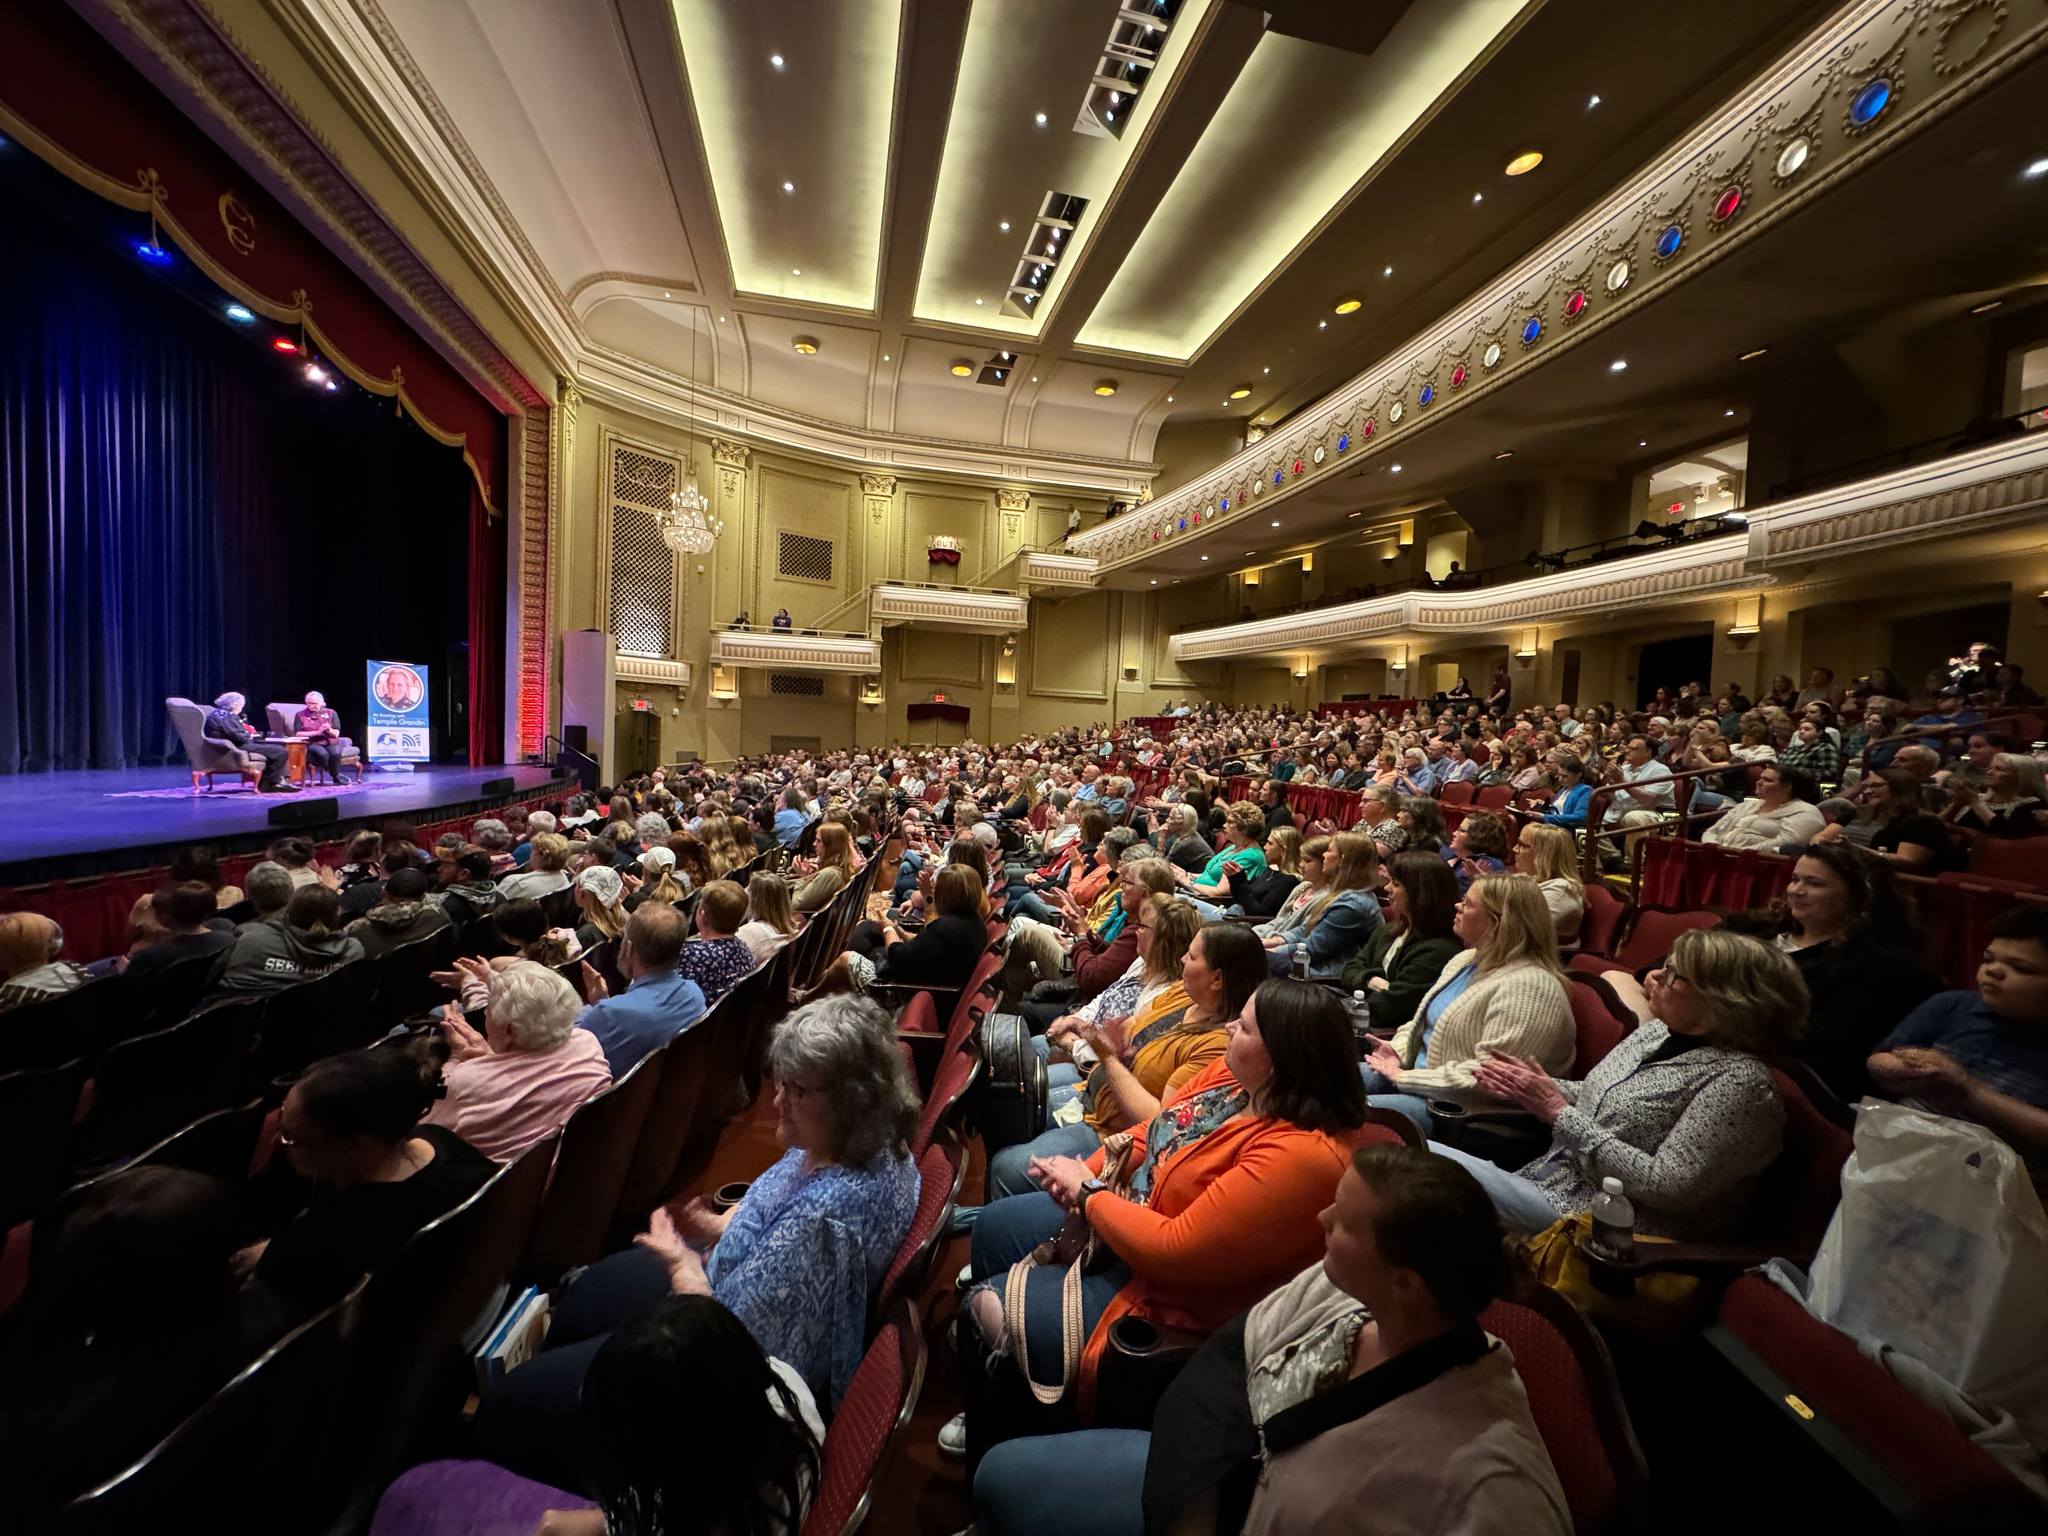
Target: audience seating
(940, 1168)
(1605, 914)
(684, 1065)
(221, 1144)
(589, 1176)
(37, 1107)
(1494, 797)
(313, 1019)
(404, 985)
(82, 1022)
(953, 1081)
(1824, 1393)
(1653, 930)
(282, 1405)
(871, 1419)
(1575, 1400)
(1461, 793)
(153, 1084)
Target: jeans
(1090, 1482)
(1522, 1206)
(1058, 1074)
(527, 1423)
(1030, 904)
(1209, 910)
(1006, 1169)
(1381, 1092)
(906, 876)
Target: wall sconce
(1301, 671)
(1398, 663)
(1308, 563)
(723, 685)
(1527, 650)
(1407, 535)
(1251, 578)
(871, 691)
(1749, 621)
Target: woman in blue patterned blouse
(797, 1260)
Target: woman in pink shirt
(530, 1069)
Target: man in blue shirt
(1983, 1055)
(657, 1004)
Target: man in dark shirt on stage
(224, 722)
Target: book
(515, 1340)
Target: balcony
(795, 650)
(971, 610)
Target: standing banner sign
(399, 730)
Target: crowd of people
(1230, 1007)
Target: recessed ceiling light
(1265, 370)
(1354, 514)
(977, 303)
(666, 294)
(806, 345)
(721, 319)
(1387, 272)
(1752, 354)
(1505, 453)
(1986, 307)
(1034, 378)
(962, 368)
(1169, 399)
(1155, 581)
(1478, 197)
(2037, 170)
(796, 271)
(1642, 442)
(1525, 162)
(1240, 392)
(1251, 551)
(1619, 365)
(1105, 387)
(885, 357)
(1004, 226)
(789, 186)
(1205, 557)
(1322, 325)
(1394, 469)
(1040, 119)
(1276, 522)
(1729, 412)
(1592, 101)
(775, 60)
(1350, 304)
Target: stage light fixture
(1105, 387)
(1592, 101)
(283, 344)
(1386, 272)
(241, 314)
(315, 374)
(152, 253)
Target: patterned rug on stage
(187, 793)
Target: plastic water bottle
(1614, 1223)
(1361, 1015)
(1300, 964)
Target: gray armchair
(209, 755)
(284, 721)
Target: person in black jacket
(1273, 801)
(942, 954)
(1406, 954)
(1261, 895)
(224, 723)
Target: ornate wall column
(877, 496)
(1010, 532)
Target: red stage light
(284, 344)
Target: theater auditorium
(1027, 767)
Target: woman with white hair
(798, 1260)
(224, 724)
(530, 1069)
(321, 727)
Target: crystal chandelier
(688, 528)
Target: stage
(71, 825)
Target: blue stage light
(152, 253)
(241, 313)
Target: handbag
(1075, 1245)
(1657, 1306)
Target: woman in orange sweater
(1230, 1178)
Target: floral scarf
(1183, 1124)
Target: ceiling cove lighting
(1105, 387)
(152, 253)
(1525, 162)
(2037, 170)
(1350, 304)
(283, 344)
(805, 345)
(1986, 307)
(1752, 354)
(1240, 392)
(241, 314)
(1619, 365)
(1505, 453)
(962, 368)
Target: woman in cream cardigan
(1503, 992)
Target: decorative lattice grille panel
(796, 685)
(801, 556)
(643, 568)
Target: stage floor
(94, 819)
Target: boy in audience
(1983, 1055)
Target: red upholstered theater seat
(1654, 931)
(940, 1167)
(1605, 912)
(878, 1404)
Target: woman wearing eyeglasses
(1683, 1110)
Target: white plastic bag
(1939, 1249)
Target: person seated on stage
(29, 968)
(321, 727)
(1365, 1383)
(495, 838)
(1982, 1055)
(270, 956)
(798, 1260)
(658, 1003)
(717, 957)
(401, 916)
(746, 1457)
(360, 1174)
(224, 724)
(296, 854)
(184, 914)
(528, 1071)
(199, 863)
(469, 892)
(545, 872)
(270, 891)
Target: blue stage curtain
(181, 515)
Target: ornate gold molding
(1012, 501)
(730, 454)
(878, 485)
